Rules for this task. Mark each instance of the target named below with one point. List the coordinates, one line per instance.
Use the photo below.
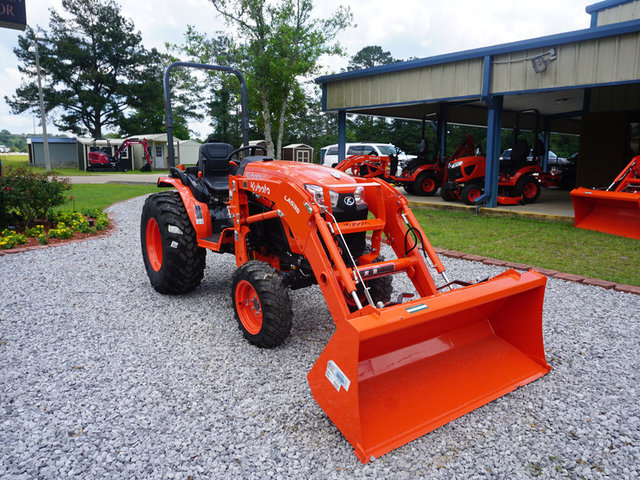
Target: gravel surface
(102, 377)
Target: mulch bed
(33, 244)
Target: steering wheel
(249, 147)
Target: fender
(198, 212)
(529, 170)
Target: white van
(330, 153)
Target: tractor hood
(295, 172)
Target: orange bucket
(390, 375)
(617, 213)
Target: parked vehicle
(420, 176)
(101, 159)
(518, 180)
(330, 153)
(397, 366)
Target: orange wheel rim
(529, 190)
(474, 193)
(248, 307)
(428, 184)
(154, 244)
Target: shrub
(9, 239)
(35, 231)
(61, 231)
(32, 195)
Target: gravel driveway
(102, 377)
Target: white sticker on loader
(174, 229)
(174, 244)
(336, 377)
(199, 217)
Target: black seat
(519, 154)
(214, 167)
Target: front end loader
(399, 364)
(615, 210)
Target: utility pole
(43, 119)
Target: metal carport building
(583, 82)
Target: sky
(405, 28)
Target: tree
(88, 59)
(145, 99)
(369, 57)
(219, 96)
(281, 42)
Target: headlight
(334, 197)
(455, 164)
(316, 191)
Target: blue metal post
(442, 131)
(342, 135)
(547, 144)
(494, 131)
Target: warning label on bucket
(336, 377)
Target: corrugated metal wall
(604, 60)
(436, 82)
(619, 13)
(607, 60)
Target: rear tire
(469, 193)
(426, 184)
(262, 305)
(529, 188)
(174, 262)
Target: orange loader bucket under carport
(617, 213)
(391, 375)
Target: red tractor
(100, 159)
(518, 180)
(397, 366)
(421, 176)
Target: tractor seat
(215, 168)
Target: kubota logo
(292, 203)
(259, 188)
(349, 201)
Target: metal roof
(539, 42)
(52, 139)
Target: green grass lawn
(101, 195)
(16, 161)
(555, 245)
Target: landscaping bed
(62, 227)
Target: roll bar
(167, 101)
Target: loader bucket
(391, 375)
(617, 213)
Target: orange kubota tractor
(421, 176)
(518, 180)
(398, 365)
(614, 210)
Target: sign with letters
(13, 14)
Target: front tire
(262, 305)
(174, 262)
(470, 192)
(448, 194)
(426, 184)
(529, 188)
